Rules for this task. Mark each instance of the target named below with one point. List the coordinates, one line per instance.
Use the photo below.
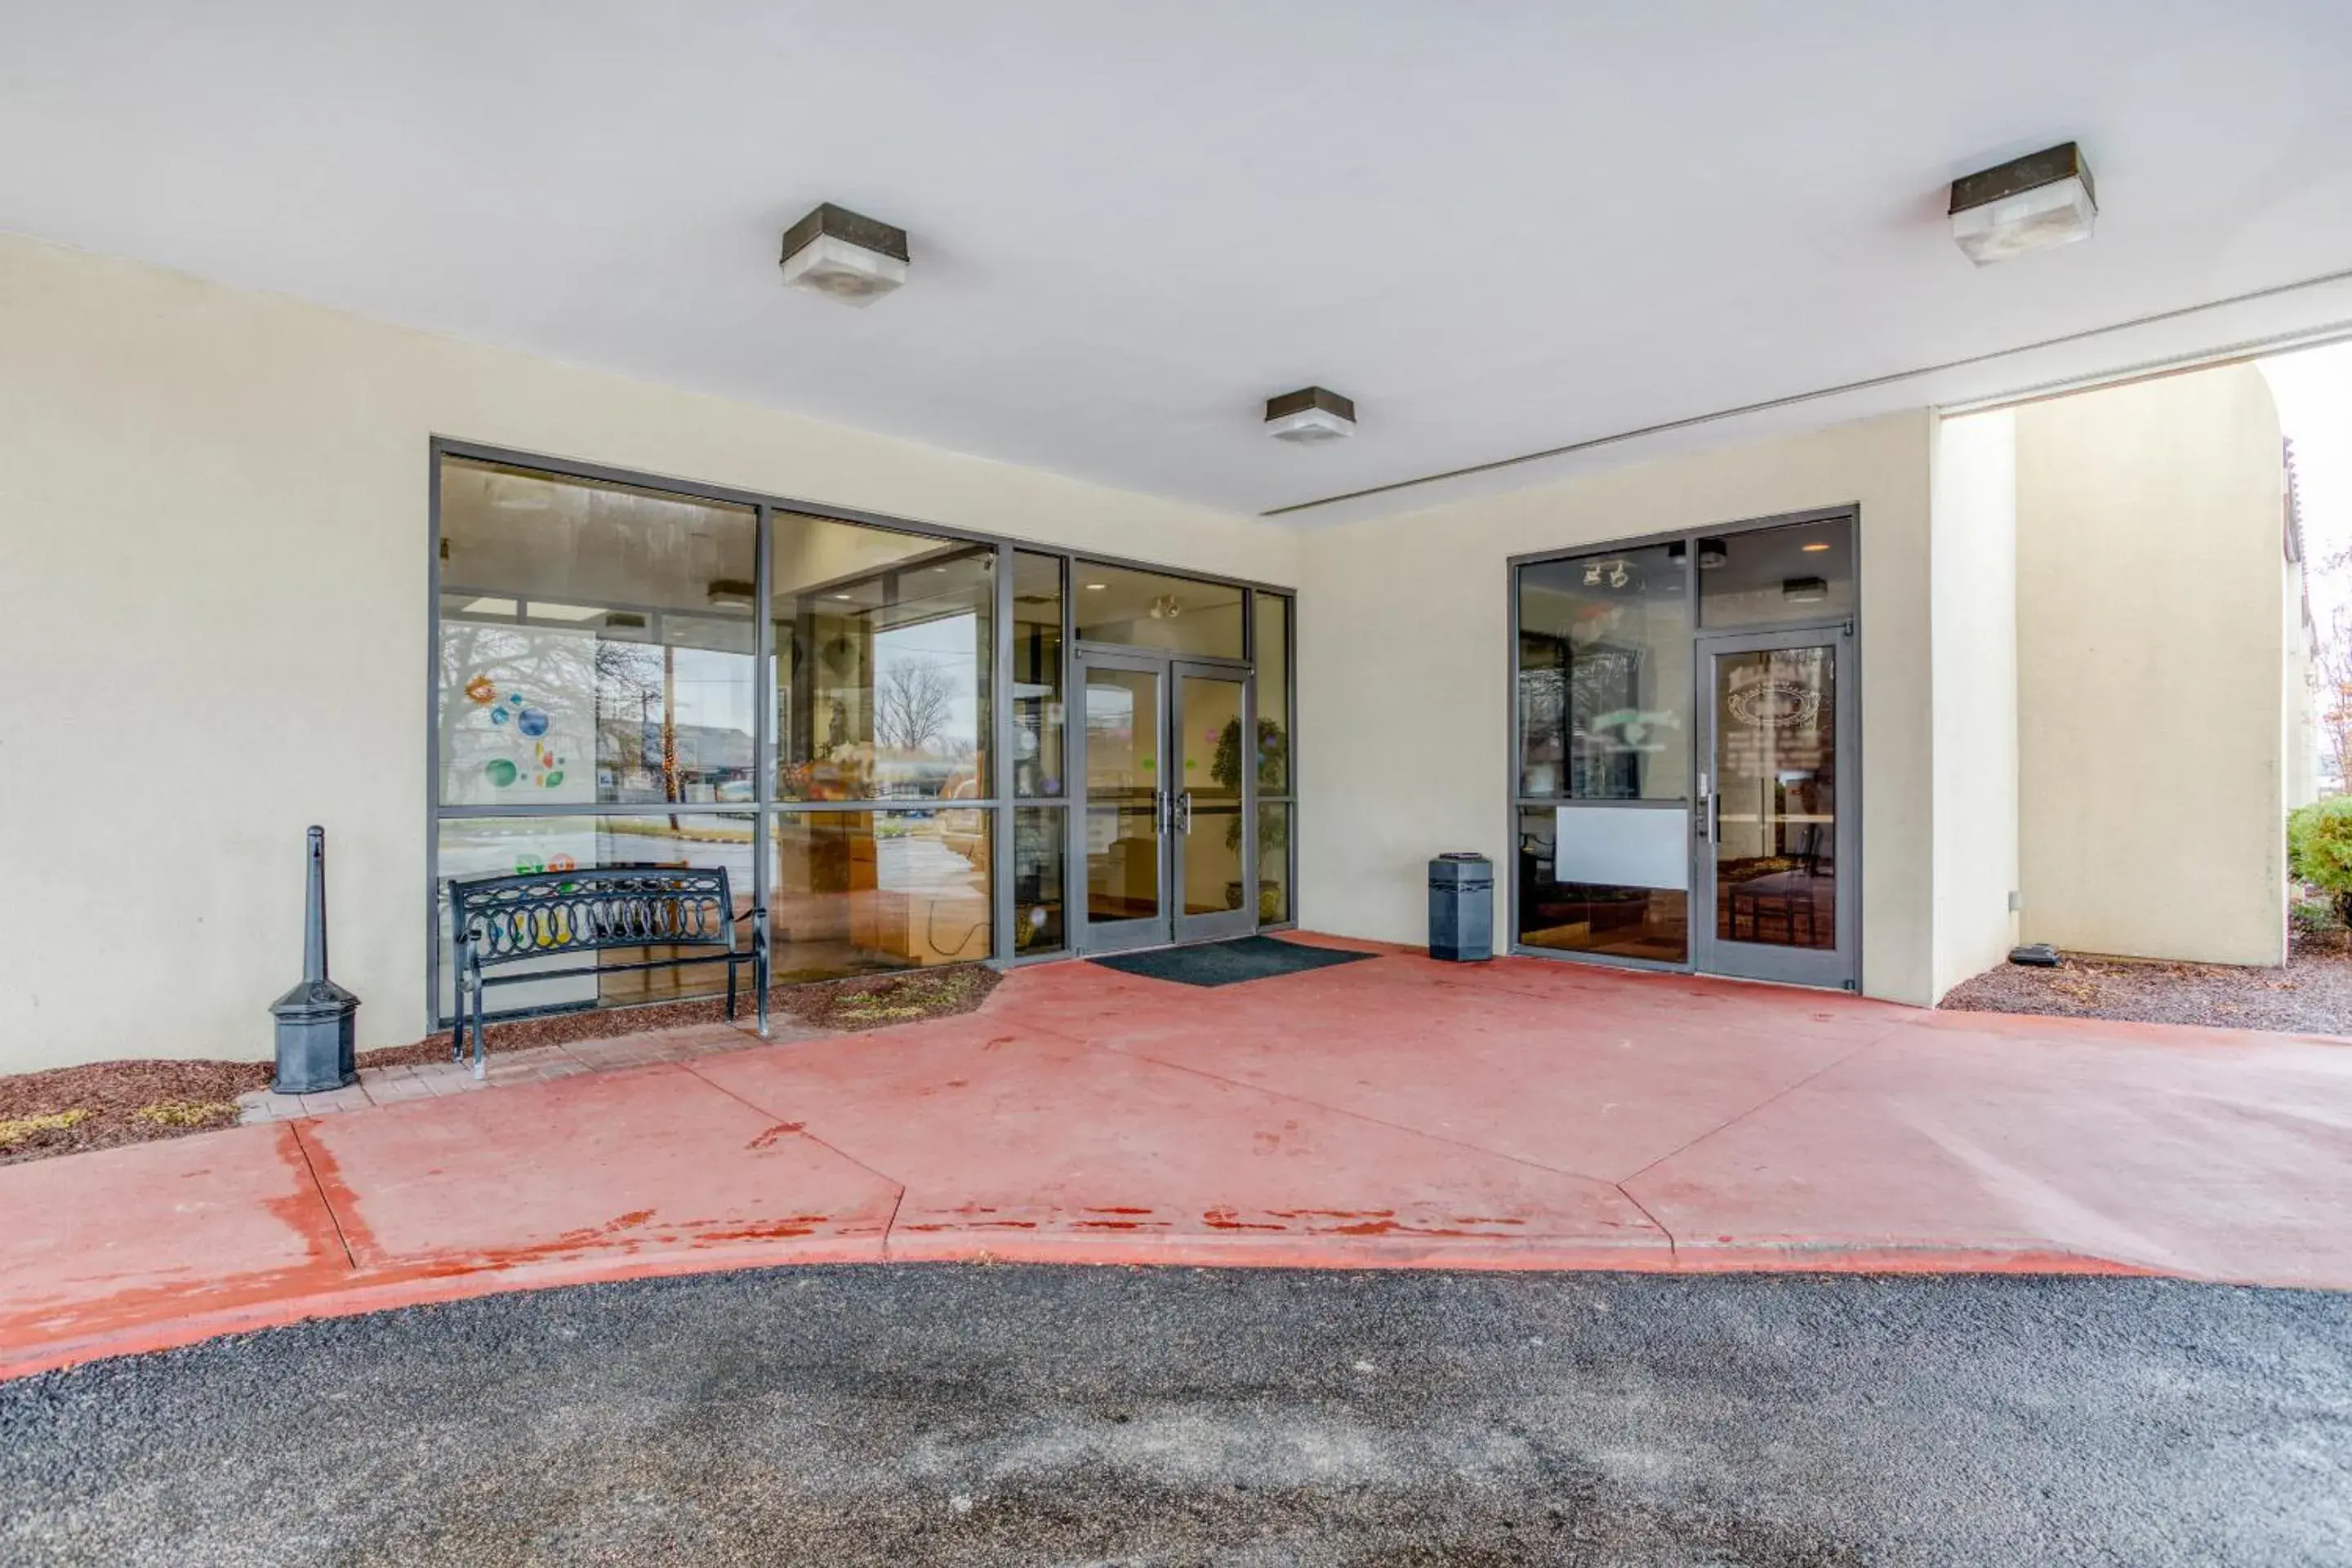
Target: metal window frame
(1515, 801)
(766, 807)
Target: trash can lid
(1461, 855)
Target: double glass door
(1166, 813)
(1773, 891)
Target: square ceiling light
(2032, 203)
(844, 255)
(1310, 415)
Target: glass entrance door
(1774, 897)
(1125, 815)
(1168, 786)
(1214, 821)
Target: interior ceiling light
(1309, 415)
(2032, 203)
(731, 592)
(1816, 547)
(1804, 590)
(1712, 553)
(844, 255)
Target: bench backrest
(540, 914)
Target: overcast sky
(2313, 392)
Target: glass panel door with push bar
(1771, 900)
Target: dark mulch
(66, 1110)
(882, 1001)
(2312, 995)
(98, 1105)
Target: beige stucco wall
(2151, 652)
(1404, 724)
(213, 558)
(1973, 614)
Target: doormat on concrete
(1228, 963)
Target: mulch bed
(2311, 995)
(99, 1105)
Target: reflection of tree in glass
(548, 667)
(1273, 768)
(634, 711)
(913, 700)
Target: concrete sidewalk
(1389, 1112)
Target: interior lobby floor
(1393, 1112)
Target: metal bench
(501, 920)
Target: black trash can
(1462, 907)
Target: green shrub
(2319, 849)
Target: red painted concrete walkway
(1396, 1111)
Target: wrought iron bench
(502, 920)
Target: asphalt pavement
(1000, 1415)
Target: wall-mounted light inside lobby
(2032, 203)
(844, 255)
(1310, 415)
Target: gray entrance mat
(1228, 963)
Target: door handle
(1714, 818)
(1184, 809)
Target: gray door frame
(1711, 952)
(1171, 815)
(1085, 934)
(1219, 924)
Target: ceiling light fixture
(1096, 587)
(1804, 590)
(1816, 547)
(2032, 203)
(844, 255)
(1712, 553)
(1310, 415)
(730, 592)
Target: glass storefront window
(595, 643)
(883, 645)
(598, 684)
(867, 892)
(1274, 863)
(1273, 662)
(1148, 609)
(1605, 677)
(509, 846)
(1775, 576)
(1574, 916)
(1040, 850)
(1036, 676)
